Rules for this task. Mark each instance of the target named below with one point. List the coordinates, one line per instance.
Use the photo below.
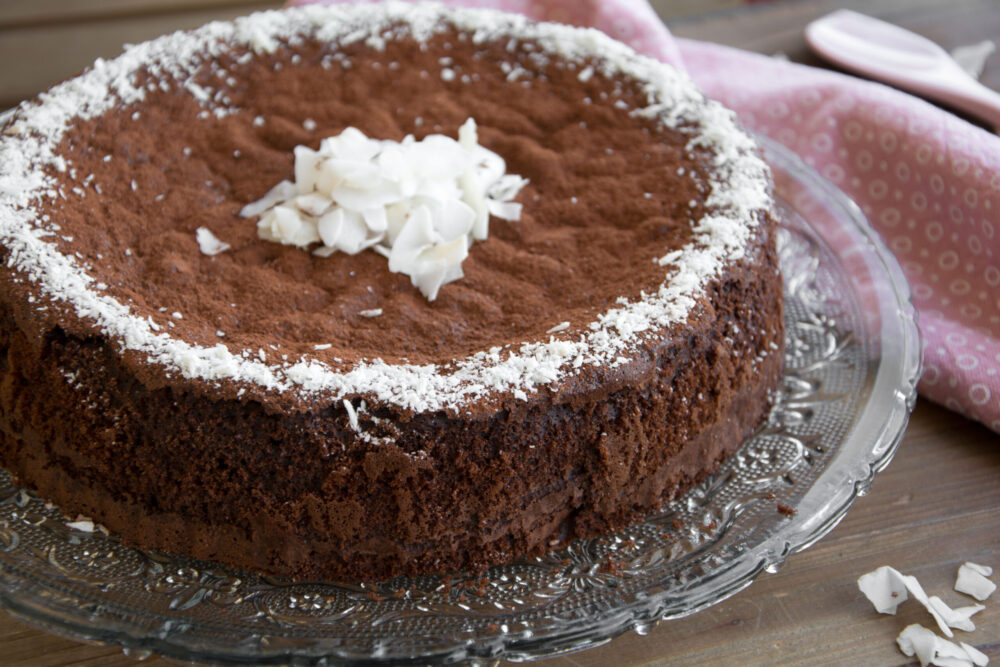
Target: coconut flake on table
(972, 581)
(959, 618)
(929, 649)
(886, 588)
(421, 204)
(209, 242)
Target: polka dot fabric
(928, 181)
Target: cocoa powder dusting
(588, 234)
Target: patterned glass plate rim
(852, 363)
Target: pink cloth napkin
(928, 181)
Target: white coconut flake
(374, 312)
(929, 649)
(883, 589)
(984, 570)
(978, 658)
(737, 192)
(352, 414)
(83, 525)
(972, 581)
(562, 326)
(960, 618)
(323, 346)
(887, 587)
(209, 243)
(419, 203)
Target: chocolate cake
(202, 390)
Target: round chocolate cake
(173, 372)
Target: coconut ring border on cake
(739, 195)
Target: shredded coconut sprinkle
(209, 243)
(737, 194)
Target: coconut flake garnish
(209, 242)
(972, 581)
(916, 640)
(421, 203)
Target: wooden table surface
(937, 505)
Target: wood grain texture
(37, 56)
(38, 12)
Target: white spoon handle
(904, 59)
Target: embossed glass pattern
(852, 363)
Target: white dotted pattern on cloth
(928, 182)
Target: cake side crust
(299, 496)
(305, 469)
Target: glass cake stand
(852, 363)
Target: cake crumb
(786, 510)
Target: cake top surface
(34, 169)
